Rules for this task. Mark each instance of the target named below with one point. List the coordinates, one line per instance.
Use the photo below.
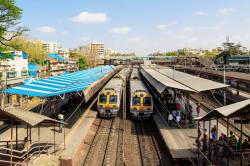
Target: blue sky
(141, 26)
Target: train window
(112, 99)
(136, 101)
(147, 101)
(102, 99)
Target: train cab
(108, 103)
(141, 105)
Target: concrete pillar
(238, 88)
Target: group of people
(174, 116)
(236, 144)
(214, 145)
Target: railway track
(106, 145)
(149, 150)
(96, 153)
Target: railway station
(144, 114)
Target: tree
(9, 20)
(34, 49)
(82, 63)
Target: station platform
(72, 155)
(180, 142)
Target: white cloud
(186, 29)
(86, 17)
(201, 13)
(65, 33)
(211, 28)
(192, 40)
(84, 38)
(135, 39)
(165, 26)
(120, 30)
(46, 29)
(225, 11)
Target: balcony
(11, 74)
(25, 73)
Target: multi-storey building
(13, 71)
(64, 52)
(50, 47)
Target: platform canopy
(61, 84)
(196, 83)
(25, 117)
(238, 109)
(161, 82)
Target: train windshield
(112, 99)
(136, 101)
(102, 99)
(147, 101)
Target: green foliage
(119, 54)
(181, 53)
(9, 19)
(5, 56)
(210, 54)
(170, 53)
(34, 49)
(82, 63)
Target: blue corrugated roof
(56, 56)
(58, 85)
(33, 67)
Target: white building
(64, 52)
(17, 67)
(50, 47)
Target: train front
(141, 105)
(108, 103)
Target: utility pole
(224, 80)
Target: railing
(21, 155)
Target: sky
(140, 26)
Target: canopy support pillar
(217, 125)
(30, 134)
(16, 137)
(39, 138)
(64, 135)
(241, 141)
(54, 137)
(227, 127)
(11, 138)
(198, 138)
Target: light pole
(224, 80)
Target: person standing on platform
(232, 140)
(174, 114)
(245, 145)
(214, 133)
(170, 119)
(26, 147)
(178, 117)
(239, 144)
(198, 109)
(61, 117)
